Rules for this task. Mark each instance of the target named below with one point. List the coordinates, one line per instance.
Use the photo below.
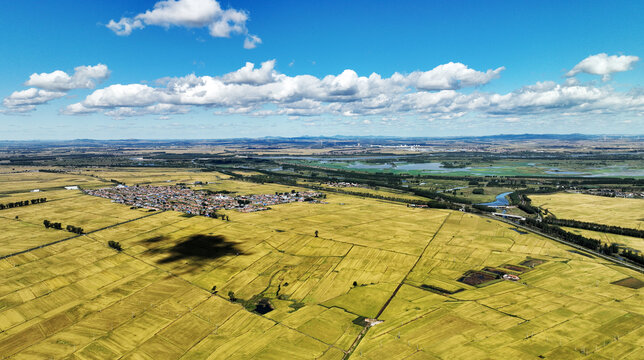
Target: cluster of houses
(344, 184)
(613, 193)
(179, 198)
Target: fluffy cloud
(251, 75)
(432, 94)
(453, 76)
(53, 85)
(252, 41)
(262, 91)
(84, 77)
(604, 65)
(26, 100)
(125, 26)
(190, 14)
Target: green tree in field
(115, 245)
(316, 233)
(231, 296)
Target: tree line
(595, 227)
(591, 244)
(58, 226)
(632, 256)
(22, 203)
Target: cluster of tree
(22, 203)
(512, 183)
(261, 179)
(555, 231)
(455, 164)
(478, 191)
(115, 245)
(54, 225)
(523, 202)
(74, 229)
(58, 226)
(55, 171)
(632, 256)
(595, 227)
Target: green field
(155, 299)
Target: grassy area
(166, 294)
(598, 209)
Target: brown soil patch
(497, 271)
(475, 278)
(532, 262)
(630, 282)
(515, 268)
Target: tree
(231, 296)
(355, 283)
(115, 245)
(214, 289)
(316, 233)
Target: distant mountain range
(338, 139)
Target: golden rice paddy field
(80, 299)
(153, 176)
(598, 209)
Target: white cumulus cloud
(251, 41)
(453, 76)
(26, 100)
(84, 77)
(604, 65)
(250, 88)
(433, 94)
(49, 86)
(190, 14)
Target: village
(186, 200)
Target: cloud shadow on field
(155, 239)
(196, 247)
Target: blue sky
(443, 68)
